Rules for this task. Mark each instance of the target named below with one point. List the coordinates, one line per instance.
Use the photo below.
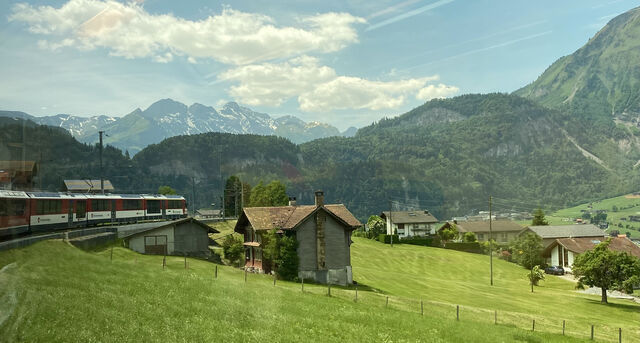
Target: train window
(131, 204)
(17, 207)
(81, 209)
(100, 205)
(48, 206)
(175, 204)
(153, 206)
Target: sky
(346, 63)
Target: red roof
(288, 217)
(582, 244)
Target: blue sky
(341, 62)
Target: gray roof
(410, 217)
(562, 231)
(206, 212)
(126, 231)
(87, 186)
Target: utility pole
(193, 189)
(490, 243)
(101, 173)
(390, 220)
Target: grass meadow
(52, 291)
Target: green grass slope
(52, 292)
(446, 277)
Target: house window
(416, 226)
(503, 237)
(481, 236)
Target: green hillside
(618, 209)
(54, 292)
(602, 78)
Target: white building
(410, 223)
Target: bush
(469, 237)
(473, 247)
(233, 250)
(424, 241)
(386, 239)
(535, 275)
(436, 242)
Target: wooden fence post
(421, 308)
(302, 283)
(495, 317)
(387, 304)
(592, 332)
(245, 276)
(533, 327)
(328, 289)
(457, 312)
(216, 272)
(619, 335)
(112, 253)
(563, 324)
(356, 292)
(274, 279)
(185, 261)
(164, 261)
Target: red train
(28, 212)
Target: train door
(81, 211)
(71, 204)
(113, 210)
(163, 204)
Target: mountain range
(167, 118)
(567, 138)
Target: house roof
(288, 217)
(563, 231)
(582, 244)
(205, 212)
(410, 217)
(483, 226)
(133, 230)
(87, 185)
(19, 166)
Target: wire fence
(424, 307)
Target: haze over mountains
(167, 118)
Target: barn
(184, 237)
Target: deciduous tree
(607, 269)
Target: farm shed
(323, 233)
(186, 236)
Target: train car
(101, 208)
(25, 212)
(176, 207)
(129, 208)
(50, 211)
(14, 213)
(154, 206)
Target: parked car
(554, 270)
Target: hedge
(386, 239)
(418, 241)
(474, 247)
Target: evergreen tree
(538, 218)
(232, 196)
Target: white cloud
(231, 37)
(318, 88)
(436, 91)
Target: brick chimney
(319, 198)
(292, 201)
